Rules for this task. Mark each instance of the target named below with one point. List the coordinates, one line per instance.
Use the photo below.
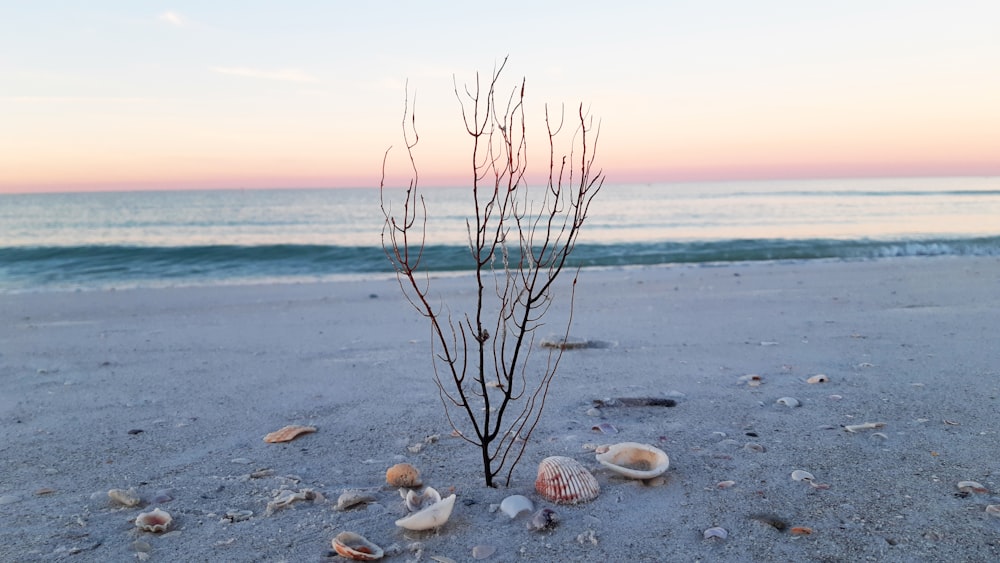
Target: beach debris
(483, 551)
(864, 426)
(355, 546)
(433, 516)
(835, 397)
(725, 484)
(802, 475)
(800, 530)
(818, 378)
(563, 480)
(605, 428)
(45, 491)
(993, 510)
(403, 475)
(971, 487)
(544, 519)
(754, 447)
(124, 497)
(789, 402)
(568, 343)
(715, 532)
(156, 521)
(351, 499)
(237, 515)
(516, 504)
(587, 537)
(285, 497)
(750, 380)
(635, 402)
(417, 501)
(771, 520)
(635, 460)
(951, 422)
(288, 433)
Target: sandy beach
(170, 391)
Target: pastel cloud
(287, 75)
(173, 18)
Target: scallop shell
(563, 480)
(403, 475)
(516, 504)
(355, 546)
(125, 498)
(288, 433)
(635, 460)
(417, 501)
(154, 521)
(434, 516)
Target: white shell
(563, 480)
(800, 475)
(971, 487)
(127, 498)
(818, 378)
(788, 401)
(635, 460)
(154, 521)
(355, 546)
(433, 516)
(516, 504)
(716, 532)
(417, 501)
(993, 509)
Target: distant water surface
(108, 239)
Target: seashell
(993, 510)
(350, 499)
(863, 426)
(403, 475)
(818, 378)
(483, 551)
(516, 504)
(725, 484)
(237, 515)
(355, 546)
(430, 517)
(285, 498)
(563, 480)
(155, 521)
(789, 402)
(544, 519)
(716, 532)
(417, 501)
(800, 530)
(800, 475)
(754, 447)
(605, 428)
(971, 487)
(127, 498)
(751, 380)
(288, 433)
(635, 460)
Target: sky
(135, 94)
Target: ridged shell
(563, 480)
(635, 460)
(355, 546)
(288, 433)
(154, 521)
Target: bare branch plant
(518, 247)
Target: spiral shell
(563, 480)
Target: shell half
(154, 521)
(635, 460)
(418, 501)
(516, 504)
(434, 516)
(563, 480)
(355, 546)
(288, 433)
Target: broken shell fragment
(800, 530)
(563, 480)
(863, 426)
(725, 484)
(288, 433)
(993, 510)
(154, 521)
(418, 501)
(751, 380)
(127, 498)
(544, 519)
(818, 378)
(403, 475)
(635, 460)
(971, 487)
(433, 516)
(516, 504)
(800, 475)
(351, 499)
(355, 546)
(716, 532)
(788, 402)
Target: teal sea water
(151, 239)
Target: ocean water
(148, 239)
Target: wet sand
(170, 392)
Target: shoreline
(171, 390)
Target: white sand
(170, 391)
